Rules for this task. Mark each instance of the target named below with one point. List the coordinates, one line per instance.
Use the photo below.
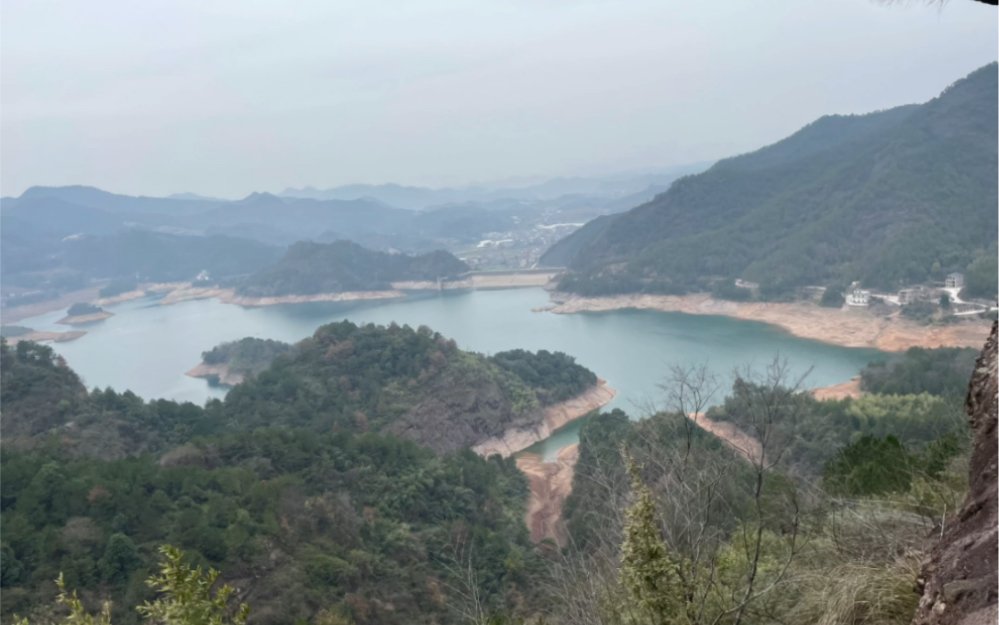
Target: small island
(82, 312)
(230, 363)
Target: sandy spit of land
(849, 328)
(221, 372)
(37, 336)
(839, 391)
(121, 297)
(81, 319)
(17, 313)
(555, 416)
(551, 483)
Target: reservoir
(146, 348)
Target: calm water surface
(147, 348)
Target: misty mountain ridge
(882, 198)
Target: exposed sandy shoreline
(498, 280)
(221, 372)
(551, 482)
(81, 319)
(839, 391)
(121, 297)
(556, 416)
(17, 313)
(848, 328)
(228, 296)
(37, 336)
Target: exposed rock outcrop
(958, 579)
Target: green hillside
(308, 268)
(890, 198)
(287, 482)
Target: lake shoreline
(76, 320)
(554, 417)
(219, 372)
(845, 328)
(39, 336)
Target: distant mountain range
(417, 198)
(54, 239)
(889, 198)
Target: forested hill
(887, 198)
(415, 383)
(309, 268)
(334, 527)
(294, 486)
(345, 377)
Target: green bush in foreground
(187, 598)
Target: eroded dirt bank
(551, 483)
(848, 328)
(519, 438)
(221, 372)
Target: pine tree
(648, 572)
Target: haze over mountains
(61, 238)
(889, 198)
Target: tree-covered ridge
(889, 199)
(412, 382)
(247, 356)
(309, 268)
(341, 522)
(43, 399)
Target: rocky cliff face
(959, 577)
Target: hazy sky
(227, 97)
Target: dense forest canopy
(285, 480)
(309, 268)
(247, 356)
(890, 198)
(410, 381)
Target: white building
(954, 281)
(858, 297)
(915, 294)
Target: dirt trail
(551, 483)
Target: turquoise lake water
(147, 348)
